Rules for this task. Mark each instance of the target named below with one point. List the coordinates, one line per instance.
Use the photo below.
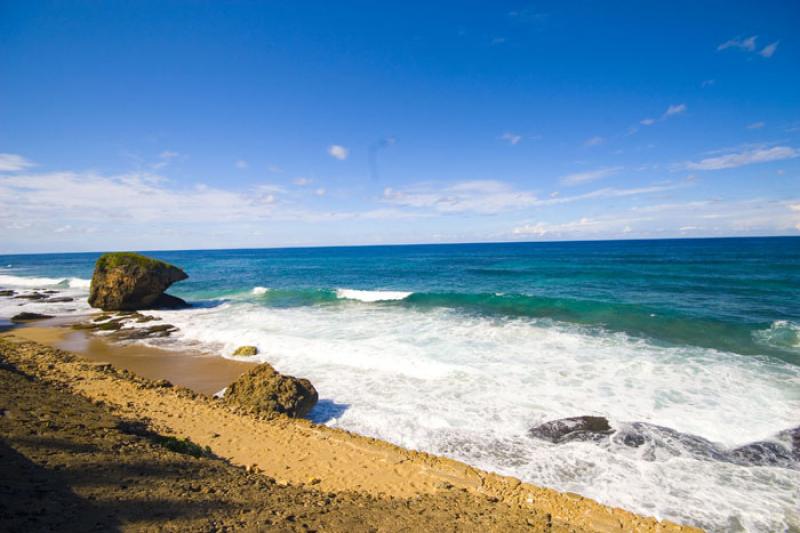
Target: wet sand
(203, 373)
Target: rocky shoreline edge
(297, 455)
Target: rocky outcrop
(267, 392)
(659, 443)
(129, 281)
(246, 351)
(569, 429)
(28, 317)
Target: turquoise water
(460, 349)
(738, 295)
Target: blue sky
(169, 125)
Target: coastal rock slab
(129, 281)
(27, 317)
(575, 428)
(266, 391)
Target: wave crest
(371, 296)
(25, 281)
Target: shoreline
(294, 452)
(203, 373)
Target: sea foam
(470, 387)
(371, 296)
(32, 281)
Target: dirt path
(295, 453)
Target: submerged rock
(655, 443)
(7, 293)
(246, 351)
(266, 391)
(27, 317)
(129, 281)
(31, 296)
(159, 331)
(570, 429)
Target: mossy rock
(246, 351)
(126, 281)
(266, 391)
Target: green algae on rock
(130, 281)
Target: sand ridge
(297, 452)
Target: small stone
(245, 351)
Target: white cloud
(748, 44)
(320, 191)
(13, 163)
(594, 141)
(761, 155)
(755, 126)
(480, 196)
(302, 182)
(702, 218)
(241, 164)
(338, 151)
(707, 83)
(584, 177)
(512, 138)
(769, 50)
(275, 169)
(647, 121)
(675, 109)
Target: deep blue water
(739, 294)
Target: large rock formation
(266, 391)
(128, 281)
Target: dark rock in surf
(580, 428)
(31, 296)
(265, 391)
(29, 317)
(7, 293)
(129, 281)
(60, 299)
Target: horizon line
(387, 245)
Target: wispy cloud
(585, 177)
(755, 125)
(769, 50)
(748, 157)
(164, 159)
(337, 151)
(480, 196)
(757, 216)
(647, 121)
(594, 141)
(241, 164)
(13, 163)
(748, 44)
(512, 138)
(675, 109)
(707, 83)
(302, 182)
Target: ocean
(460, 349)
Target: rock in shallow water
(129, 281)
(575, 428)
(266, 391)
(27, 317)
(246, 351)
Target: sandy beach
(386, 487)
